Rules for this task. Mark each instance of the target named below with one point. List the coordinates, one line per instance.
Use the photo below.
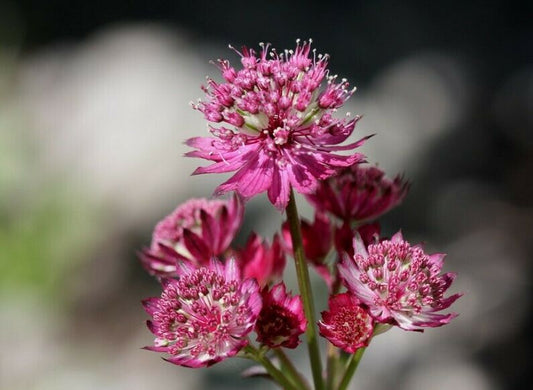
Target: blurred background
(94, 109)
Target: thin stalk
(304, 285)
(332, 364)
(274, 372)
(294, 374)
(350, 369)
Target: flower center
(351, 324)
(410, 282)
(281, 136)
(198, 313)
(276, 322)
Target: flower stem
(274, 372)
(291, 370)
(350, 369)
(304, 285)
(332, 365)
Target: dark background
(362, 35)
(482, 162)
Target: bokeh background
(94, 108)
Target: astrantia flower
(276, 129)
(261, 261)
(359, 193)
(399, 283)
(346, 325)
(282, 318)
(204, 316)
(196, 231)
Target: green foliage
(42, 242)
(46, 224)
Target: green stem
(286, 363)
(304, 285)
(274, 372)
(332, 364)
(351, 367)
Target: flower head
(282, 318)
(346, 325)
(195, 231)
(359, 193)
(275, 127)
(399, 283)
(204, 316)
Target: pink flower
(261, 261)
(359, 193)
(276, 129)
(282, 318)
(399, 283)
(346, 325)
(196, 231)
(204, 316)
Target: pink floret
(347, 324)
(359, 193)
(205, 315)
(282, 319)
(399, 283)
(195, 231)
(275, 129)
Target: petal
(216, 266)
(150, 305)
(196, 247)
(153, 348)
(251, 179)
(359, 246)
(279, 190)
(211, 230)
(398, 237)
(232, 271)
(350, 274)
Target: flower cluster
(205, 315)
(275, 126)
(347, 325)
(359, 193)
(399, 283)
(282, 321)
(272, 124)
(196, 231)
